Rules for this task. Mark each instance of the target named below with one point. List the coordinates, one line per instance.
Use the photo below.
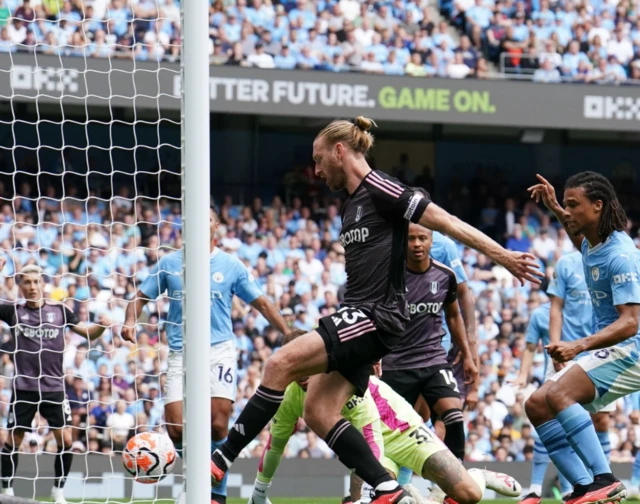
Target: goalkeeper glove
(260, 493)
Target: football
(149, 457)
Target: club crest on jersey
(434, 287)
(595, 273)
(358, 213)
(218, 277)
(51, 317)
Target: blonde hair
(355, 134)
(30, 269)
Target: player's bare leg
(466, 487)
(445, 470)
(173, 423)
(62, 464)
(9, 459)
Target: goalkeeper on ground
(397, 436)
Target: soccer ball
(149, 457)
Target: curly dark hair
(598, 187)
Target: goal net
(90, 192)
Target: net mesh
(90, 193)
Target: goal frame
(195, 141)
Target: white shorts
(553, 376)
(222, 376)
(614, 371)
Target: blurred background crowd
(587, 41)
(96, 251)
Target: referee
(37, 347)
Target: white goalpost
(195, 169)
(104, 170)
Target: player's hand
(519, 381)
(545, 192)
(104, 320)
(523, 266)
(377, 369)
(563, 351)
(128, 332)
(558, 366)
(471, 401)
(470, 371)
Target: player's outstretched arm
(271, 313)
(133, 311)
(459, 337)
(521, 265)
(625, 327)
(92, 331)
(545, 192)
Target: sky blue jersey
(538, 330)
(612, 271)
(568, 283)
(227, 276)
(444, 250)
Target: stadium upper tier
(593, 41)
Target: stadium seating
(535, 40)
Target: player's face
(31, 287)
(579, 211)
(329, 164)
(419, 243)
(213, 224)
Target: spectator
(260, 58)
(547, 73)
(458, 69)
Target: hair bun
(364, 123)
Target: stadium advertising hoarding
(323, 94)
(96, 477)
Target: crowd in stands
(588, 41)
(96, 252)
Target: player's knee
(279, 367)
(174, 431)
(555, 398)
(313, 417)
(219, 427)
(468, 493)
(535, 404)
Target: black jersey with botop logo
(375, 224)
(37, 344)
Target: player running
(229, 277)
(398, 438)
(596, 222)
(419, 366)
(374, 234)
(37, 346)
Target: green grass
(298, 500)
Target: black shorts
(433, 383)
(353, 345)
(52, 406)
